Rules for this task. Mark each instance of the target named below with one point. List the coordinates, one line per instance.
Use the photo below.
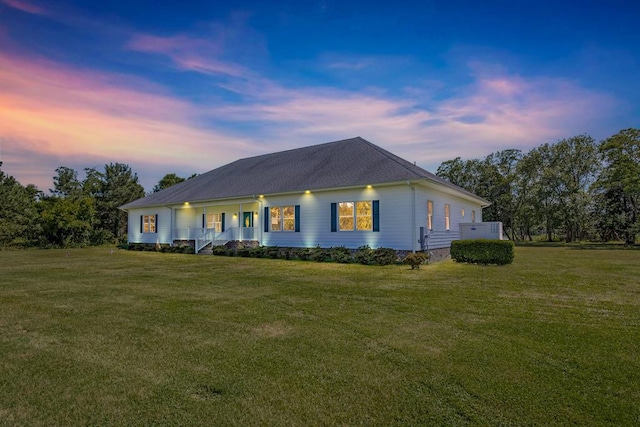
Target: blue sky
(184, 87)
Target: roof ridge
(300, 148)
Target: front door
(247, 219)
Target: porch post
(240, 222)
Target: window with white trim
(473, 216)
(355, 216)
(148, 223)
(429, 214)
(289, 218)
(214, 221)
(276, 218)
(447, 217)
(283, 218)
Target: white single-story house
(346, 193)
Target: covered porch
(211, 224)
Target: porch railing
(205, 236)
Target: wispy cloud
(52, 112)
(493, 113)
(49, 109)
(194, 54)
(24, 6)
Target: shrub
(303, 254)
(415, 259)
(319, 254)
(483, 251)
(341, 254)
(273, 252)
(364, 255)
(385, 256)
(100, 236)
(177, 249)
(220, 250)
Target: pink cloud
(494, 113)
(188, 53)
(62, 112)
(24, 6)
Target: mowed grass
(134, 338)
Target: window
(346, 213)
(355, 215)
(364, 216)
(148, 223)
(473, 216)
(283, 218)
(215, 221)
(288, 214)
(360, 216)
(462, 212)
(447, 211)
(429, 214)
(276, 219)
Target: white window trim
(355, 216)
(147, 222)
(447, 217)
(281, 218)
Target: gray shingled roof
(350, 162)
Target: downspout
(260, 219)
(414, 237)
(172, 225)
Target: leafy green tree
(575, 164)
(66, 182)
(114, 187)
(18, 214)
(167, 181)
(618, 186)
(67, 221)
(491, 178)
(499, 175)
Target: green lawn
(135, 338)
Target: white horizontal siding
(163, 226)
(439, 237)
(315, 219)
(403, 210)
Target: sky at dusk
(184, 87)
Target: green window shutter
(334, 217)
(156, 224)
(141, 224)
(297, 218)
(266, 219)
(376, 215)
(222, 225)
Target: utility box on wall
(481, 230)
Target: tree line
(75, 212)
(575, 189)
